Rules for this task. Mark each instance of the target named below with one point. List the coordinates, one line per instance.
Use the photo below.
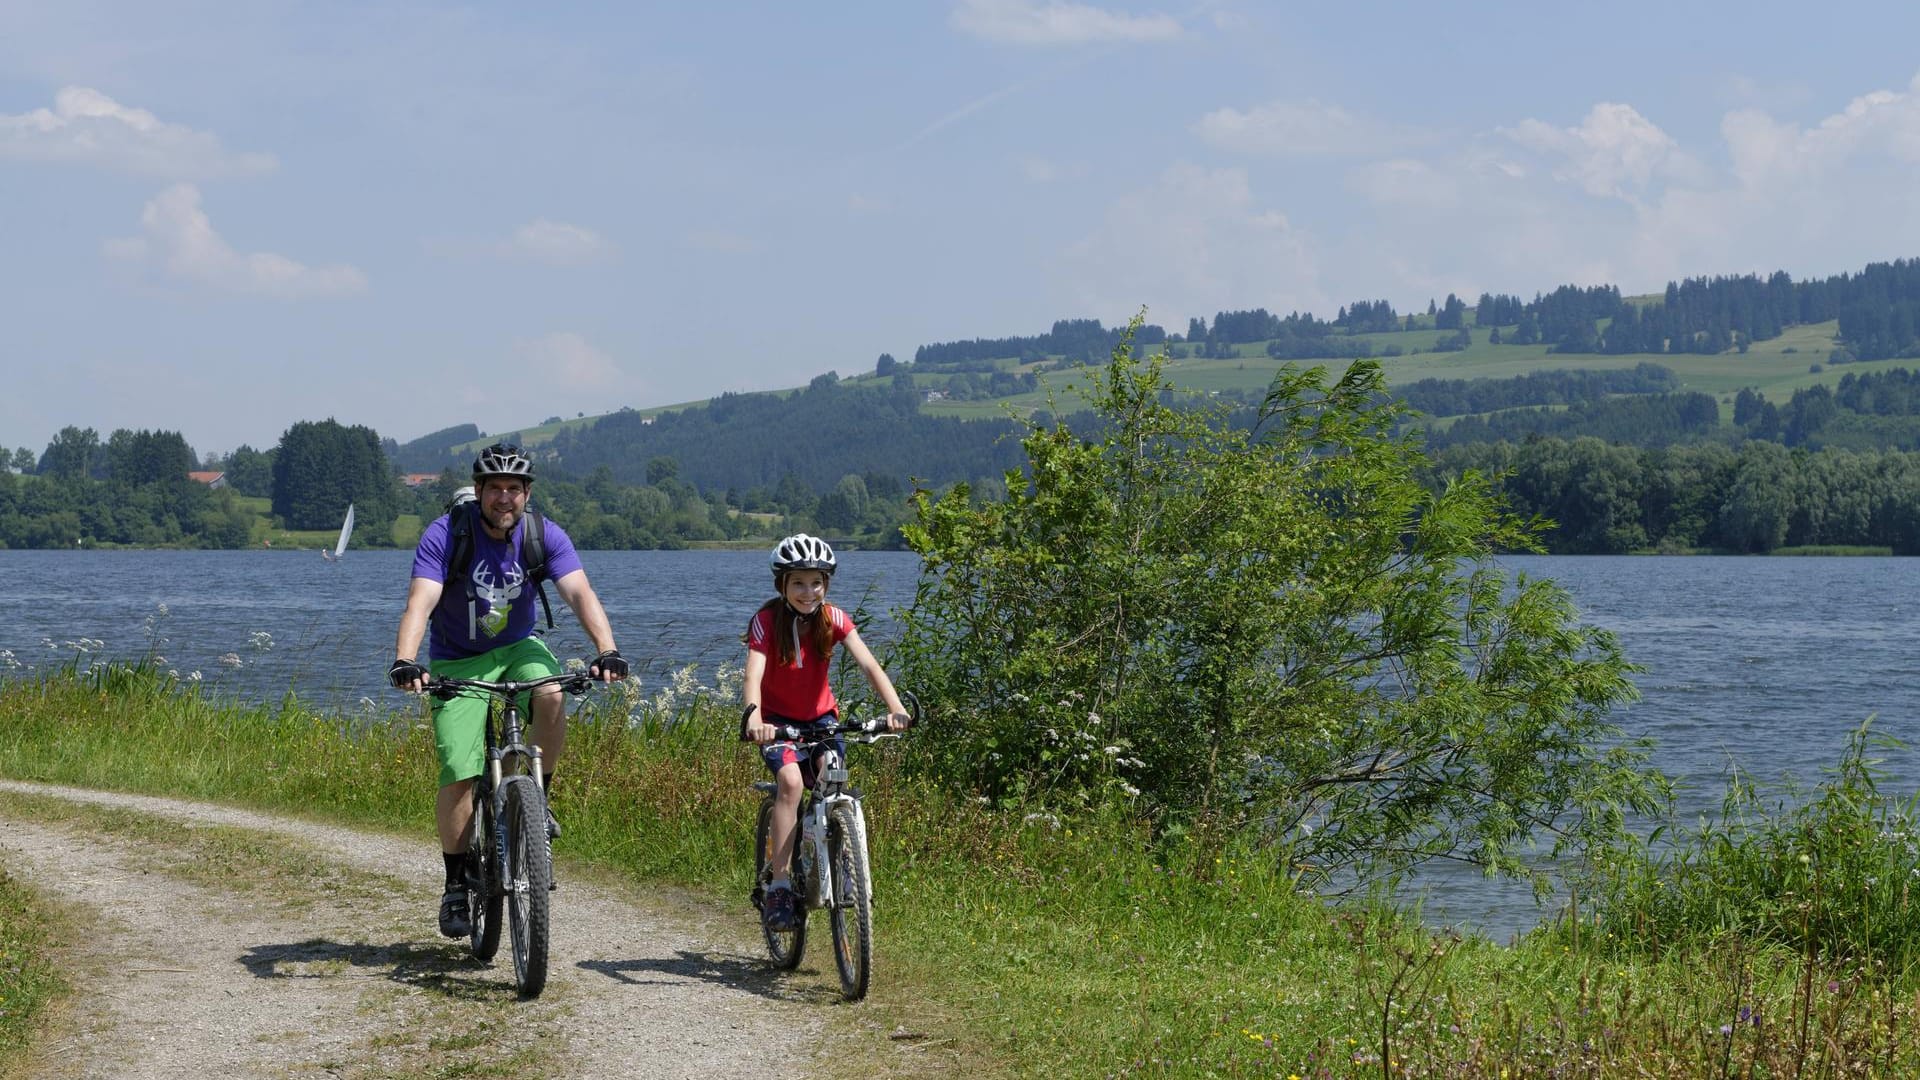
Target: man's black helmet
(501, 459)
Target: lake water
(1768, 663)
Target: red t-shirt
(796, 691)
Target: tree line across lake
(1722, 493)
(1622, 459)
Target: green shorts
(460, 724)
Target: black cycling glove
(404, 672)
(611, 663)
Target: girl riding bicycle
(789, 647)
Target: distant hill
(1771, 336)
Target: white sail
(346, 533)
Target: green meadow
(1027, 943)
(1774, 368)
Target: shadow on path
(448, 969)
(752, 974)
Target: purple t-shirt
(502, 609)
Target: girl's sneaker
(779, 909)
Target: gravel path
(345, 976)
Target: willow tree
(1264, 626)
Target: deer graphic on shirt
(497, 596)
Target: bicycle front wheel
(527, 877)
(484, 898)
(783, 946)
(852, 913)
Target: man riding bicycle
(475, 574)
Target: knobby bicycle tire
(852, 913)
(484, 900)
(785, 947)
(526, 878)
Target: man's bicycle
(830, 867)
(509, 858)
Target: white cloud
(1193, 243)
(1767, 153)
(556, 242)
(178, 241)
(1824, 198)
(86, 127)
(1052, 22)
(571, 361)
(1283, 128)
(1405, 181)
(1614, 149)
(1616, 199)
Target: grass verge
(32, 932)
(1025, 944)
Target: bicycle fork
(497, 794)
(825, 884)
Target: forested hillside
(813, 437)
(1594, 406)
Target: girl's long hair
(816, 629)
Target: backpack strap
(533, 559)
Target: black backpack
(533, 553)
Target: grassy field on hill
(1775, 368)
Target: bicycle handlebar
(444, 687)
(865, 731)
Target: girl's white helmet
(802, 552)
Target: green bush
(1271, 631)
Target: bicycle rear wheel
(483, 879)
(783, 946)
(852, 912)
(527, 877)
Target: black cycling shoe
(553, 824)
(455, 921)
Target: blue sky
(221, 218)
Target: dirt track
(342, 974)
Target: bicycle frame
(830, 789)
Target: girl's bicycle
(830, 867)
(509, 858)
